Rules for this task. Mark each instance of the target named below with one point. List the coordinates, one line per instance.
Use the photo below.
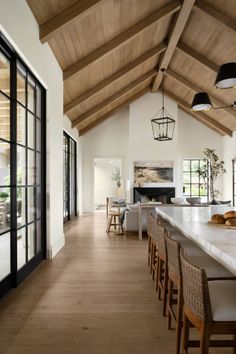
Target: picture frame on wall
(153, 172)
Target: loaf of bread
(218, 219)
(231, 222)
(230, 214)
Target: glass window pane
(5, 255)
(31, 131)
(21, 206)
(21, 83)
(20, 165)
(38, 102)
(4, 117)
(31, 204)
(21, 124)
(31, 241)
(21, 245)
(5, 210)
(38, 202)
(4, 164)
(31, 94)
(195, 190)
(195, 165)
(38, 134)
(39, 237)
(195, 177)
(4, 74)
(31, 167)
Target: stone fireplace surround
(153, 194)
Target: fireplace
(153, 194)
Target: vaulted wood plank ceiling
(111, 51)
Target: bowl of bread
(228, 219)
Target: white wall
(129, 134)
(22, 30)
(107, 140)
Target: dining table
(218, 241)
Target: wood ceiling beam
(123, 38)
(206, 10)
(175, 33)
(116, 109)
(114, 97)
(115, 77)
(196, 89)
(201, 117)
(77, 11)
(197, 57)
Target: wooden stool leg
(159, 278)
(179, 318)
(109, 223)
(170, 301)
(185, 335)
(154, 261)
(204, 339)
(165, 290)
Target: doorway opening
(104, 185)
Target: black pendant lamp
(226, 77)
(163, 124)
(201, 102)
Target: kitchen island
(192, 222)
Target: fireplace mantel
(155, 194)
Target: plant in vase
(211, 170)
(116, 177)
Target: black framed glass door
(69, 178)
(22, 169)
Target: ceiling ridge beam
(78, 10)
(197, 57)
(116, 109)
(203, 118)
(174, 36)
(206, 10)
(115, 77)
(114, 97)
(121, 39)
(196, 89)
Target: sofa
(131, 219)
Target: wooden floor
(95, 297)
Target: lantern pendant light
(163, 124)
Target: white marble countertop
(217, 242)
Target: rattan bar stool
(209, 306)
(149, 232)
(174, 280)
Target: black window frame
(16, 276)
(191, 184)
(67, 172)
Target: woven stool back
(161, 241)
(195, 289)
(173, 255)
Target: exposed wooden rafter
(123, 38)
(114, 97)
(114, 77)
(116, 109)
(206, 10)
(174, 37)
(196, 88)
(197, 57)
(201, 117)
(78, 10)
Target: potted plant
(211, 170)
(116, 177)
(3, 196)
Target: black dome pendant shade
(201, 102)
(226, 77)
